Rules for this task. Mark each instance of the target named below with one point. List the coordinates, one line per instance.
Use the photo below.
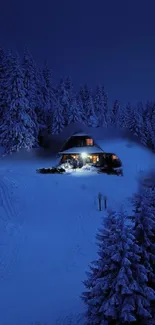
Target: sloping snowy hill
(48, 225)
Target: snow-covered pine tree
(147, 134)
(17, 131)
(30, 85)
(136, 122)
(69, 88)
(58, 119)
(151, 118)
(105, 103)
(91, 116)
(127, 116)
(74, 114)
(140, 108)
(99, 102)
(3, 82)
(117, 285)
(144, 226)
(88, 106)
(113, 114)
(63, 99)
(120, 120)
(40, 103)
(81, 108)
(47, 94)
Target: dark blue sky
(96, 41)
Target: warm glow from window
(94, 158)
(89, 142)
(114, 157)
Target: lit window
(89, 142)
(114, 157)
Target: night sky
(110, 42)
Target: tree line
(30, 104)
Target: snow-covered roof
(79, 134)
(79, 150)
(56, 142)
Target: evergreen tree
(152, 120)
(58, 119)
(120, 120)
(140, 108)
(88, 106)
(17, 131)
(48, 96)
(69, 88)
(127, 116)
(81, 109)
(99, 106)
(40, 109)
(147, 136)
(91, 116)
(47, 74)
(30, 85)
(136, 122)
(114, 113)
(74, 112)
(144, 226)
(4, 68)
(117, 290)
(105, 103)
(64, 100)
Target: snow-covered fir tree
(153, 121)
(3, 82)
(135, 122)
(30, 85)
(74, 114)
(120, 120)
(113, 114)
(140, 108)
(99, 106)
(144, 226)
(105, 102)
(69, 88)
(149, 124)
(63, 99)
(90, 113)
(48, 95)
(58, 119)
(17, 131)
(40, 102)
(81, 108)
(88, 106)
(127, 116)
(117, 285)
(147, 136)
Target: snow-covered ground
(47, 234)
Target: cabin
(82, 147)
(89, 145)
